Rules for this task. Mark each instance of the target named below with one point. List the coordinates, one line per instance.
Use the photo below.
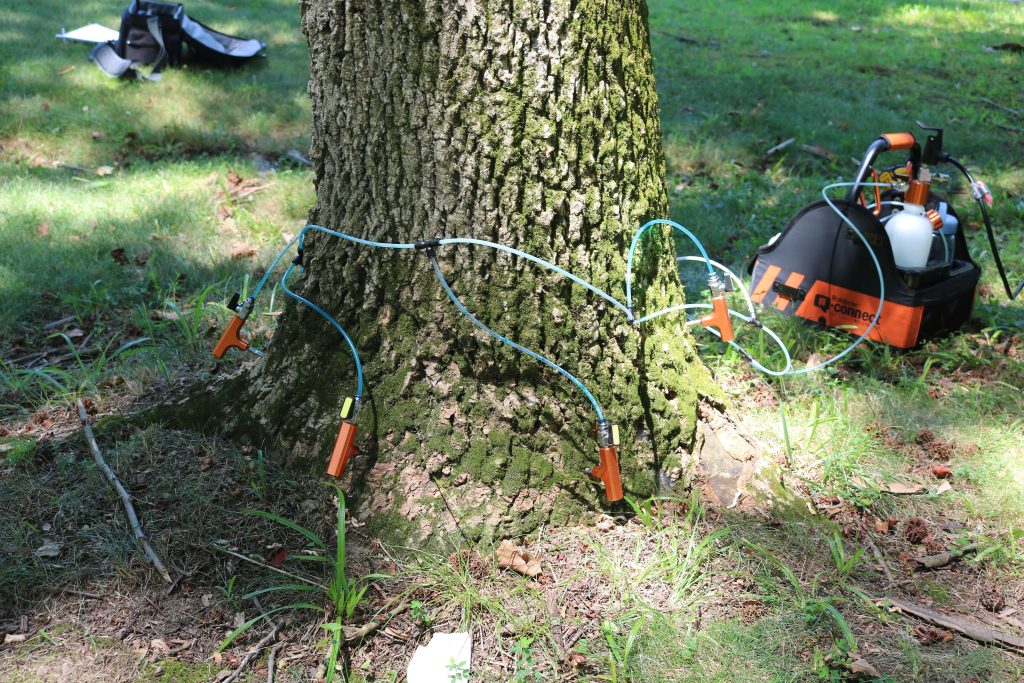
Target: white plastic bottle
(948, 231)
(910, 235)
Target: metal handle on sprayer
(884, 143)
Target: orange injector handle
(344, 449)
(719, 316)
(231, 339)
(345, 446)
(608, 469)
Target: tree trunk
(532, 124)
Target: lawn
(131, 211)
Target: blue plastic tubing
(518, 347)
(332, 321)
(636, 241)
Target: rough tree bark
(533, 124)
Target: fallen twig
(125, 498)
(353, 633)
(240, 556)
(1012, 129)
(942, 559)
(556, 624)
(272, 662)
(779, 147)
(819, 151)
(997, 105)
(251, 655)
(977, 632)
(57, 323)
(881, 560)
(689, 40)
(181, 648)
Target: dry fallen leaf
(941, 471)
(119, 256)
(928, 635)
(162, 314)
(104, 170)
(862, 668)
(75, 333)
(509, 556)
(943, 487)
(48, 549)
(242, 250)
(276, 557)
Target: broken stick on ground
(982, 634)
(125, 498)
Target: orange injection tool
(344, 447)
(719, 316)
(231, 339)
(608, 470)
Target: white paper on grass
(93, 33)
(444, 655)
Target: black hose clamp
(427, 245)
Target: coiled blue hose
(518, 347)
(332, 321)
(632, 250)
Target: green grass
(681, 597)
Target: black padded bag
(155, 34)
(151, 33)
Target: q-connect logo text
(849, 309)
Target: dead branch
(779, 147)
(997, 105)
(881, 560)
(251, 655)
(125, 498)
(353, 633)
(942, 559)
(556, 624)
(272, 662)
(976, 632)
(57, 323)
(303, 579)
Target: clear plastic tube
(878, 268)
(632, 251)
(332, 321)
(541, 262)
(518, 347)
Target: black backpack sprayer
(818, 268)
(896, 269)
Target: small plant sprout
(344, 594)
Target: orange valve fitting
(344, 447)
(719, 319)
(608, 469)
(231, 339)
(719, 316)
